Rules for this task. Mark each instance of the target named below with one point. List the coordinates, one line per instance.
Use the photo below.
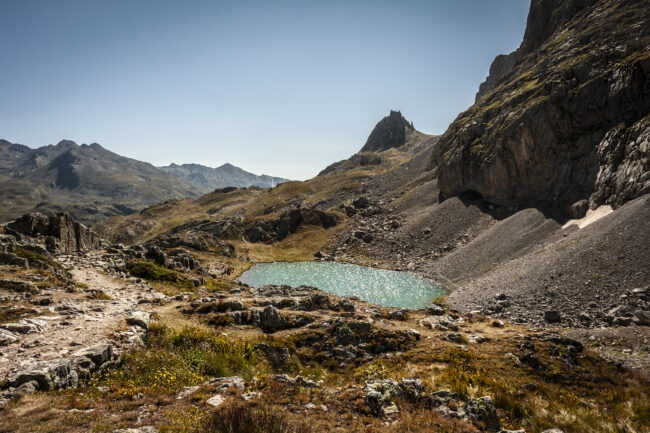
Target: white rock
(215, 401)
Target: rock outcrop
(568, 122)
(61, 232)
(278, 228)
(388, 133)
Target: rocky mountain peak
(66, 145)
(390, 132)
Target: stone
(215, 401)
(27, 388)
(379, 395)
(552, 316)
(435, 310)
(145, 429)
(622, 321)
(361, 203)
(482, 409)
(52, 374)
(553, 430)
(186, 391)
(25, 326)
(157, 255)
(346, 305)
(99, 354)
(641, 318)
(455, 337)
(271, 319)
(7, 337)
(579, 209)
(223, 384)
(401, 314)
(344, 336)
(140, 318)
(13, 260)
(411, 388)
(247, 396)
(19, 286)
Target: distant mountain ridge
(88, 181)
(222, 176)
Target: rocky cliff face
(388, 133)
(544, 19)
(569, 121)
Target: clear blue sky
(277, 87)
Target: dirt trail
(76, 320)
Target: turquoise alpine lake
(377, 286)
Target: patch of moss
(152, 272)
(35, 258)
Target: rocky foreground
(87, 345)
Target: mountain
(390, 132)
(564, 120)
(220, 177)
(88, 181)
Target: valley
(492, 278)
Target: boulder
(140, 318)
(642, 318)
(215, 401)
(62, 233)
(13, 260)
(379, 395)
(7, 337)
(344, 336)
(19, 286)
(52, 374)
(579, 209)
(435, 310)
(454, 337)
(482, 409)
(271, 319)
(98, 354)
(145, 429)
(552, 316)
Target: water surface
(378, 286)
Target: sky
(282, 87)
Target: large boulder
(271, 319)
(61, 232)
(52, 374)
(482, 409)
